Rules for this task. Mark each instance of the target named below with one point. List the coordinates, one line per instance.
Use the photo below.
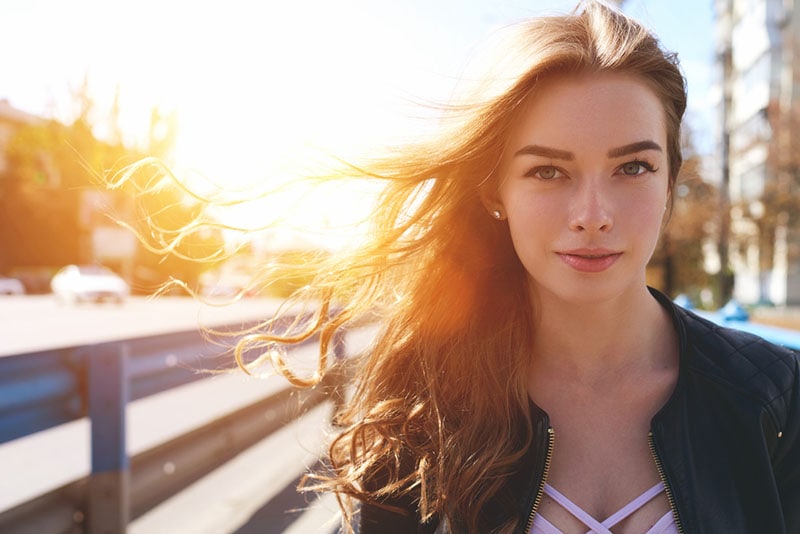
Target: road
(38, 322)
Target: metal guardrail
(45, 389)
(42, 390)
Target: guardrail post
(109, 391)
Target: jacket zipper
(551, 436)
(670, 496)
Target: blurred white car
(11, 286)
(79, 283)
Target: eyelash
(534, 172)
(646, 166)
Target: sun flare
(263, 104)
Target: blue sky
(283, 73)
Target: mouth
(592, 256)
(589, 261)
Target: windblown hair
(440, 410)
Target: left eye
(635, 168)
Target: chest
(602, 473)
(602, 460)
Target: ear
(491, 201)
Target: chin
(588, 290)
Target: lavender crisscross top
(665, 525)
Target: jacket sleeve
(787, 466)
(376, 519)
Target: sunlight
(267, 101)
(259, 96)
(263, 92)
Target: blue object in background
(734, 315)
(684, 301)
(733, 311)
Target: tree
(49, 166)
(46, 221)
(681, 254)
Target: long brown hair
(439, 414)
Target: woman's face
(584, 185)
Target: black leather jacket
(727, 442)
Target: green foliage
(48, 167)
(49, 207)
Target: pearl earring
(496, 214)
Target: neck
(595, 340)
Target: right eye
(544, 172)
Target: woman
(526, 379)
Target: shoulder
(741, 361)
(736, 361)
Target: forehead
(591, 110)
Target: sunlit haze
(260, 88)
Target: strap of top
(612, 520)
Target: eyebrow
(633, 148)
(546, 152)
(555, 153)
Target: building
(758, 46)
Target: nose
(590, 210)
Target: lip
(587, 260)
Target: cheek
(532, 221)
(644, 212)
(529, 210)
(646, 216)
(521, 201)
